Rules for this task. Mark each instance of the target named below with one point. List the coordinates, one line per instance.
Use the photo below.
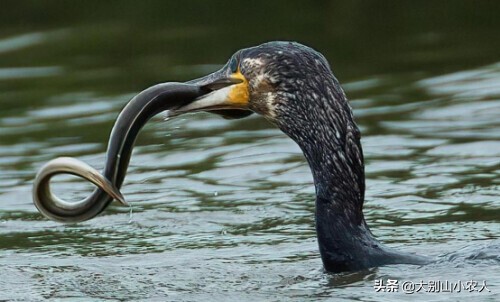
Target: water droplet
(130, 213)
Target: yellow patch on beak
(239, 95)
(235, 94)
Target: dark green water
(223, 210)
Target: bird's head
(283, 81)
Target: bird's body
(293, 87)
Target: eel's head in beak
(228, 93)
(258, 79)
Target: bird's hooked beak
(227, 94)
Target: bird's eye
(233, 65)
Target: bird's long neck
(330, 140)
(325, 130)
(322, 124)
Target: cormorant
(293, 87)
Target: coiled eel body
(132, 118)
